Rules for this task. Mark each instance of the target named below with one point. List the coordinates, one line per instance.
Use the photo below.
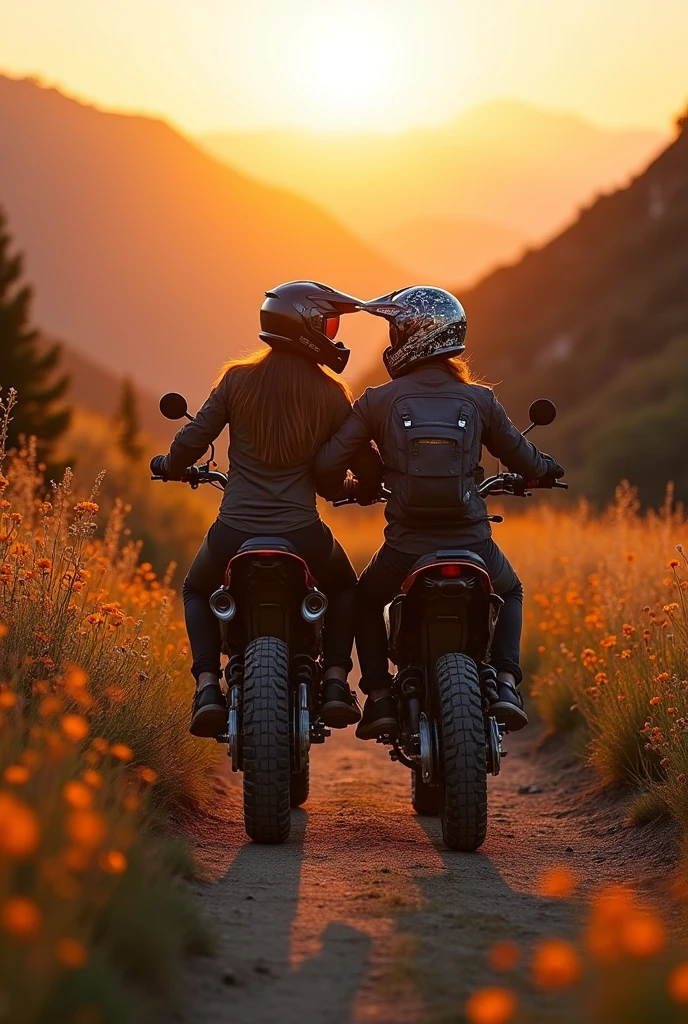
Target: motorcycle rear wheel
(266, 758)
(463, 763)
(424, 799)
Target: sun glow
(349, 69)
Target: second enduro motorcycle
(441, 626)
(270, 613)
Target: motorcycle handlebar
(196, 475)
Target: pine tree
(129, 424)
(26, 362)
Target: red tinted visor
(331, 327)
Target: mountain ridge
(145, 252)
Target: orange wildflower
(76, 858)
(16, 774)
(20, 918)
(121, 751)
(71, 952)
(86, 506)
(558, 882)
(77, 794)
(99, 745)
(19, 827)
(674, 563)
(7, 699)
(86, 828)
(609, 641)
(491, 1006)
(677, 984)
(655, 700)
(49, 706)
(643, 934)
(555, 964)
(92, 778)
(75, 727)
(44, 563)
(114, 862)
(503, 956)
(147, 775)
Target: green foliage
(26, 364)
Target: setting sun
(349, 68)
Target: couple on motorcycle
(294, 432)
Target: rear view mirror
(173, 406)
(542, 412)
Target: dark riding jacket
(369, 420)
(262, 498)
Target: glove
(158, 466)
(554, 470)
(365, 495)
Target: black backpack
(435, 443)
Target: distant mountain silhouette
(597, 320)
(470, 248)
(148, 255)
(520, 167)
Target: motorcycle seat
(457, 555)
(268, 544)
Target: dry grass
(606, 615)
(93, 749)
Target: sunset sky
(378, 64)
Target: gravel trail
(364, 916)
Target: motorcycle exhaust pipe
(313, 606)
(223, 605)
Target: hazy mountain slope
(146, 253)
(524, 168)
(97, 389)
(470, 248)
(598, 321)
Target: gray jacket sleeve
(349, 448)
(193, 439)
(506, 442)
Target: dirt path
(364, 915)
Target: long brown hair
(288, 405)
(461, 371)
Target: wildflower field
(95, 759)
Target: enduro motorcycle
(271, 614)
(441, 626)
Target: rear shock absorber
(409, 683)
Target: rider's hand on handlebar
(554, 470)
(158, 467)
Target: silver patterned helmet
(424, 323)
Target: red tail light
(331, 327)
(450, 571)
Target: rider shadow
(468, 907)
(250, 980)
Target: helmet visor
(331, 327)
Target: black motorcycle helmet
(424, 323)
(303, 317)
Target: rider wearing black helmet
(280, 406)
(430, 423)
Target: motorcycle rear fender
(268, 587)
(453, 615)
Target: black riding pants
(381, 581)
(326, 560)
